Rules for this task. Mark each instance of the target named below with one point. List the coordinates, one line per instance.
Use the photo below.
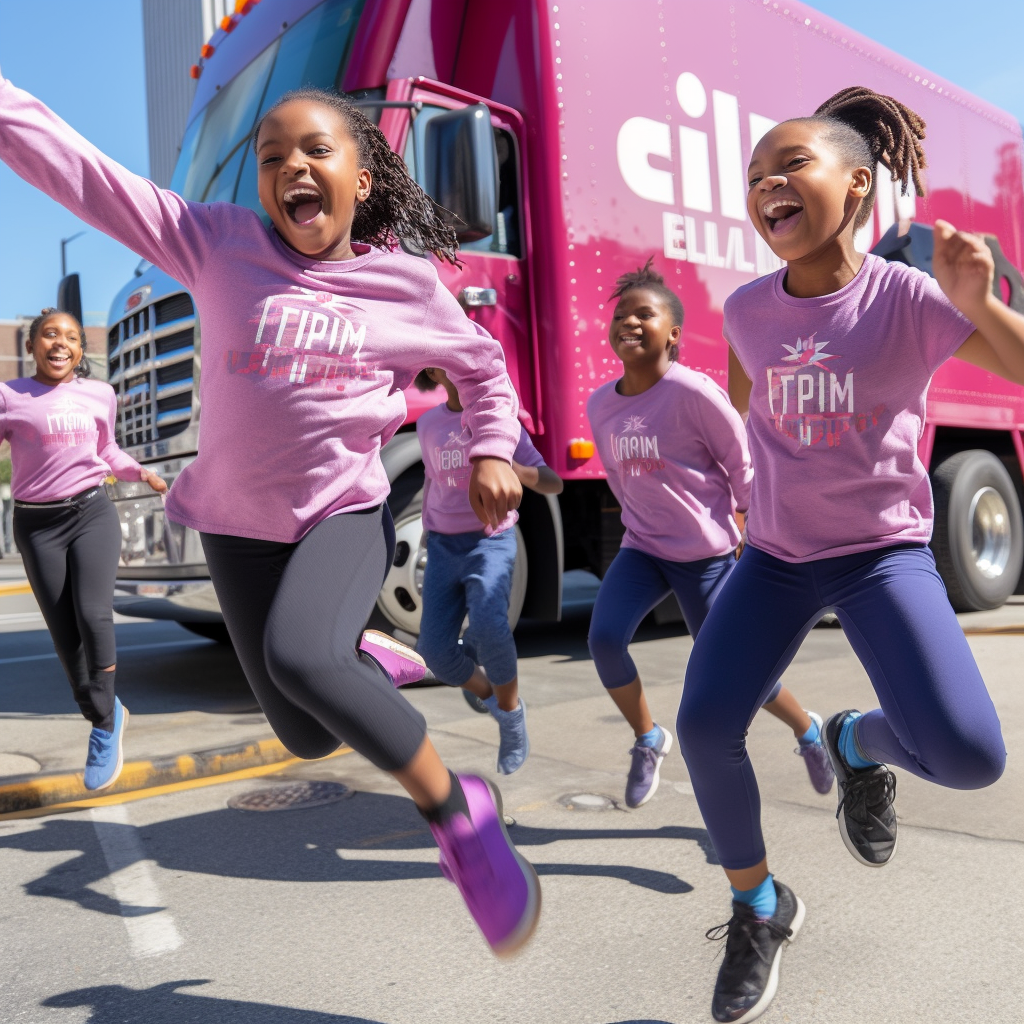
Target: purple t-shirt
(446, 445)
(62, 438)
(837, 408)
(676, 458)
(304, 362)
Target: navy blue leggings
(635, 583)
(936, 719)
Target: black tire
(979, 534)
(209, 630)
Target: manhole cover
(587, 802)
(290, 797)
(18, 764)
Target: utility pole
(63, 253)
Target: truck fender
(402, 452)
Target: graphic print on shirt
(306, 337)
(69, 425)
(634, 450)
(452, 467)
(810, 401)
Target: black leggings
(295, 613)
(70, 554)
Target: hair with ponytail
(648, 278)
(871, 129)
(83, 369)
(397, 209)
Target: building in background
(173, 31)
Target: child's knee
(974, 765)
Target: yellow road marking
(171, 787)
(10, 589)
(994, 631)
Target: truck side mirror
(461, 168)
(69, 296)
(915, 248)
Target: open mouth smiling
(302, 203)
(782, 215)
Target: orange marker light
(580, 448)
(195, 71)
(227, 23)
(206, 51)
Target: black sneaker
(867, 818)
(749, 974)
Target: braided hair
(83, 369)
(869, 128)
(648, 278)
(396, 208)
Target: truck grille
(150, 363)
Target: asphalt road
(181, 909)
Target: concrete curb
(30, 792)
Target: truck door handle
(472, 296)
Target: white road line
(133, 883)
(131, 647)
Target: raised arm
(47, 153)
(964, 269)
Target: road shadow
(161, 669)
(351, 841)
(165, 1004)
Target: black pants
(295, 613)
(70, 554)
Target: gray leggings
(70, 553)
(295, 613)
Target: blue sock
(762, 898)
(811, 736)
(650, 739)
(848, 745)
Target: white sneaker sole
(773, 977)
(120, 755)
(374, 638)
(657, 772)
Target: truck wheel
(209, 630)
(979, 535)
(399, 602)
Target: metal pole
(63, 253)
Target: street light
(63, 256)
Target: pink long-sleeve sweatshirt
(62, 438)
(303, 362)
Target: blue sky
(84, 59)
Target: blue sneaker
(513, 743)
(642, 781)
(106, 757)
(815, 756)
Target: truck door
(494, 285)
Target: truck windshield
(216, 162)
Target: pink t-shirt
(837, 408)
(446, 445)
(304, 362)
(676, 458)
(62, 438)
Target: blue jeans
(468, 572)
(936, 719)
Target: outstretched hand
(494, 490)
(157, 482)
(963, 267)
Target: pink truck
(575, 138)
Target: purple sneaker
(500, 887)
(400, 663)
(643, 777)
(815, 756)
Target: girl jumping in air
(469, 570)
(839, 347)
(60, 426)
(309, 337)
(675, 452)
